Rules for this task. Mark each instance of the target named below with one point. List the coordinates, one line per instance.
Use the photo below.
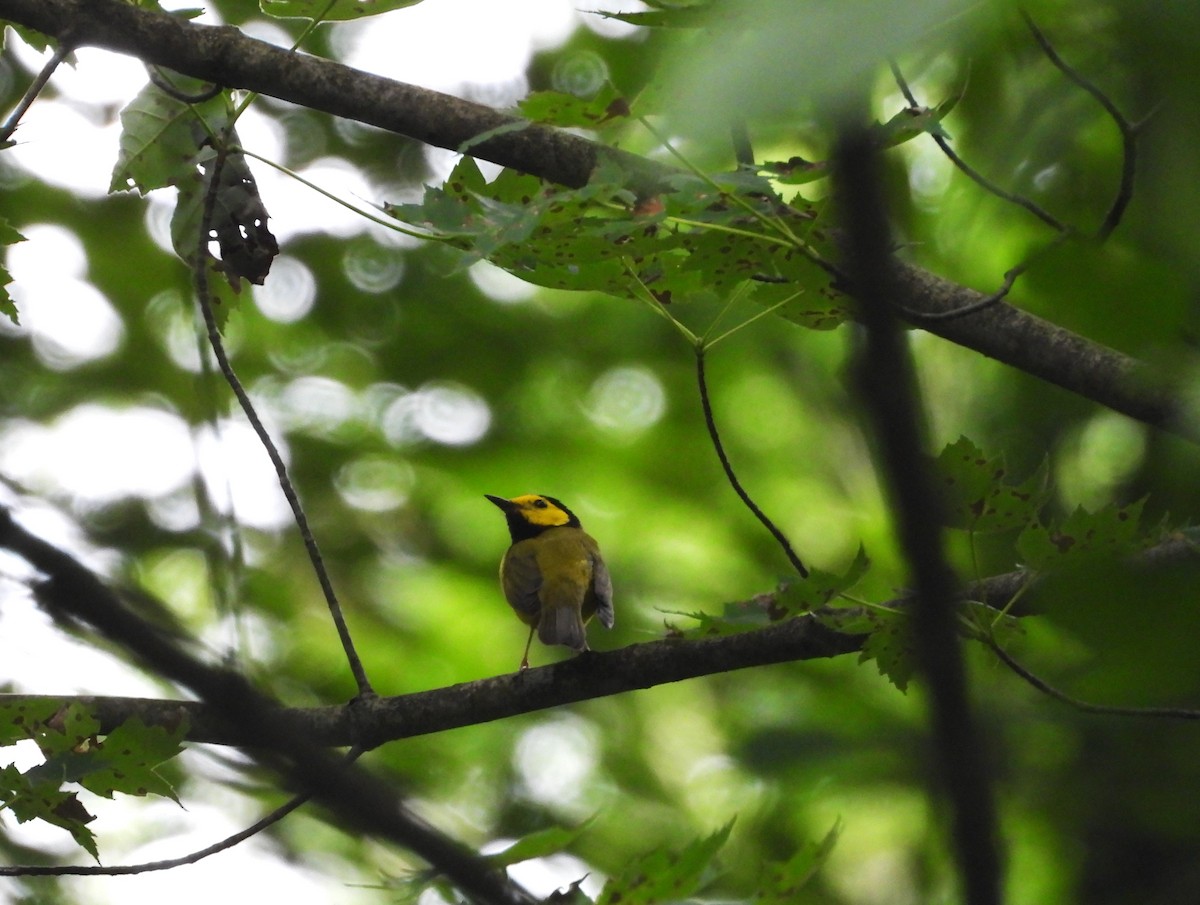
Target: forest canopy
(860, 337)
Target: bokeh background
(402, 390)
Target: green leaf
(331, 10)
(888, 642)
(821, 587)
(8, 236)
(538, 845)
(162, 139)
(781, 882)
(557, 108)
(663, 876)
(909, 123)
(127, 760)
(980, 622)
(1109, 534)
(20, 718)
(978, 497)
(792, 598)
(699, 240)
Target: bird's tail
(562, 625)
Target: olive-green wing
(522, 580)
(602, 586)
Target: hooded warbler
(552, 575)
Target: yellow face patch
(537, 510)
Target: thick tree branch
(226, 57)
(598, 675)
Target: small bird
(552, 575)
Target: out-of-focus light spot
(492, 42)
(445, 413)
(1098, 458)
(371, 267)
(375, 483)
(316, 405)
(626, 400)
(582, 73)
(70, 322)
(238, 474)
(173, 324)
(177, 512)
(545, 876)
(98, 77)
(58, 145)
(288, 293)
(500, 285)
(297, 212)
(159, 210)
(611, 28)
(99, 455)
(48, 248)
(554, 760)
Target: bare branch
(35, 88)
(1128, 130)
(715, 436)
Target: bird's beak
(504, 504)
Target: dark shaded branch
(225, 56)
(358, 799)
(884, 375)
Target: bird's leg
(525, 656)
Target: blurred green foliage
(411, 388)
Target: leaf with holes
(1111, 533)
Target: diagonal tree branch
(358, 799)
(225, 56)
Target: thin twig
(1169, 713)
(986, 184)
(34, 89)
(163, 84)
(1010, 278)
(1127, 129)
(285, 482)
(118, 870)
(711, 423)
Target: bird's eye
(540, 504)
